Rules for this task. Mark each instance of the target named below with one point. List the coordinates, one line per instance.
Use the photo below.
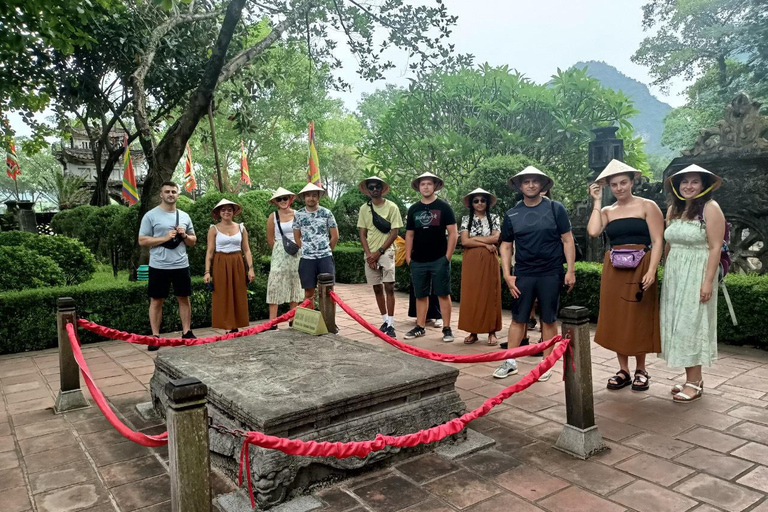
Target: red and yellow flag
(189, 173)
(130, 193)
(245, 177)
(313, 168)
(12, 162)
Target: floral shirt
(480, 226)
(314, 227)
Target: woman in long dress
(283, 284)
(480, 306)
(227, 246)
(694, 234)
(628, 322)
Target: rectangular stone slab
(281, 381)
(323, 388)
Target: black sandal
(620, 380)
(642, 381)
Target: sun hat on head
(477, 192)
(717, 181)
(364, 184)
(514, 181)
(438, 181)
(310, 187)
(281, 192)
(613, 168)
(226, 202)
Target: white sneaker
(507, 368)
(439, 323)
(545, 376)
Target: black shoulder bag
(380, 222)
(290, 247)
(176, 240)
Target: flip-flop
(494, 342)
(469, 340)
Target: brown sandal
(492, 339)
(472, 338)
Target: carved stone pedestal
(323, 388)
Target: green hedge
(73, 258)
(31, 314)
(749, 293)
(22, 268)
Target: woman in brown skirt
(480, 306)
(224, 266)
(628, 323)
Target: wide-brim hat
(514, 181)
(673, 182)
(364, 185)
(438, 181)
(311, 187)
(613, 168)
(281, 192)
(477, 192)
(225, 202)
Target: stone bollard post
(70, 395)
(580, 436)
(189, 458)
(327, 306)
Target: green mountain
(649, 123)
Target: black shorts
(431, 277)
(161, 279)
(544, 288)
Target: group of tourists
(533, 240)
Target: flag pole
(215, 149)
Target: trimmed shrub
(121, 305)
(259, 200)
(73, 258)
(71, 222)
(22, 268)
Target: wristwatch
(382, 250)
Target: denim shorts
(310, 269)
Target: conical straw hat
(311, 187)
(363, 185)
(613, 168)
(479, 191)
(514, 181)
(438, 181)
(224, 202)
(281, 192)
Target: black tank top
(629, 230)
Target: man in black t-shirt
(541, 232)
(428, 252)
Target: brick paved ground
(707, 456)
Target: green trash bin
(142, 273)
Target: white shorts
(386, 271)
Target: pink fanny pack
(627, 258)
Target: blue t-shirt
(536, 232)
(156, 223)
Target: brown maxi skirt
(230, 297)
(480, 305)
(628, 323)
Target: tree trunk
(100, 195)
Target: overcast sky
(536, 37)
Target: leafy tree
(449, 122)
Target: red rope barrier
(526, 350)
(101, 402)
(345, 450)
(140, 339)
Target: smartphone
(210, 286)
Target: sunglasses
(374, 186)
(478, 200)
(281, 199)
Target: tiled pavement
(707, 456)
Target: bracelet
(207, 272)
(596, 209)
